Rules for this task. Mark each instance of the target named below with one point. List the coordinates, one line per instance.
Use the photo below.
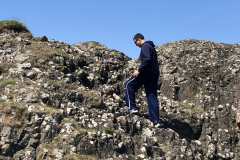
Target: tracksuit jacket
(148, 76)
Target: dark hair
(138, 35)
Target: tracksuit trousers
(150, 84)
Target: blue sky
(114, 23)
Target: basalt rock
(62, 101)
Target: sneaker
(163, 123)
(134, 111)
(158, 124)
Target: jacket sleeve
(145, 57)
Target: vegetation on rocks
(13, 25)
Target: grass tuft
(12, 25)
(10, 81)
(108, 130)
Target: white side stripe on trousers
(128, 93)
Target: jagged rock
(68, 100)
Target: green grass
(10, 81)
(67, 120)
(96, 44)
(64, 54)
(90, 130)
(188, 107)
(184, 105)
(108, 130)
(12, 25)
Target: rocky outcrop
(203, 76)
(62, 101)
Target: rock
(58, 153)
(41, 38)
(68, 100)
(45, 97)
(23, 65)
(30, 97)
(21, 58)
(31, 75)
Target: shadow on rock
(183, 129)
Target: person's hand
(135, 73)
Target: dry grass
(45, 51)
(80, 157)
(14, 114)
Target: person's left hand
(135, 73)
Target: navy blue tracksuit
(149, 74)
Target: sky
(114, 23)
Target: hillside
(62, 101)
